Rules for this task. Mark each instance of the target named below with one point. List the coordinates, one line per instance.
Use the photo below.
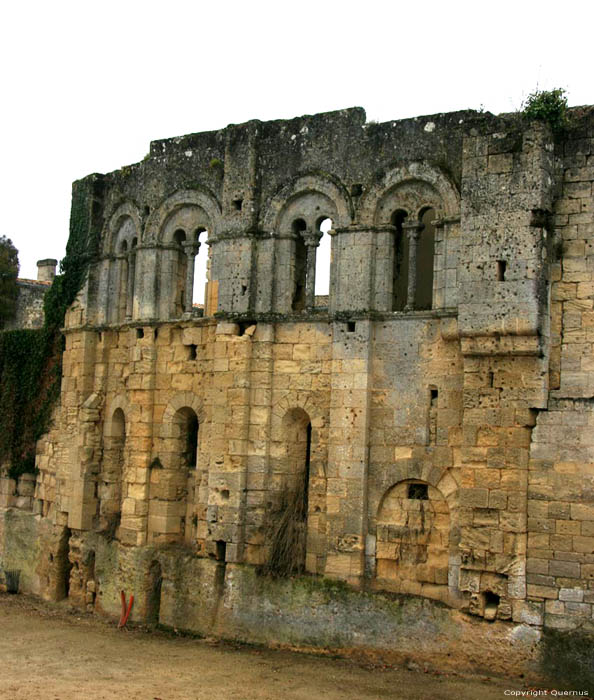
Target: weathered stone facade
(438, 406)
(29, 303)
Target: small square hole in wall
(156, 333)
(418, 492)
(356, 190)
(501, 267)
(243, 289)
(351, 326)
(192, 352)
(237, 204)
(140, 332)
(221, 550)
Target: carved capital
(191, 248)
(312, 238)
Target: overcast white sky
(85, 86)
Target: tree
(9, 270)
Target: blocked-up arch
(176, 474)
(414, 531)
(112, 484)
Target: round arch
(312, 183)
(185, 399)
(201, 198)
(122, 212)
(433, 185)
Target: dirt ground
(49, 652)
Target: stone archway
(413, 535)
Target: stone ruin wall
(449, 440)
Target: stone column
(312, 241)
(412, 231)
(130, 283)
(191, 249)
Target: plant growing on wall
(9, 270)
(31, 360)
(547, 105)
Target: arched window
(289, 524)
(323, 261)
(300, 266)
(131, 278)
(181, 268)
(201, 267)
(400, 262)
(110, 479)
(187, 424)
(425, 255)
(123, 281)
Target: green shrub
(548, 106)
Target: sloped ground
(49, 652)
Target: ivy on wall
(9, 271)
(31, 360)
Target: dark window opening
(192, 352)
(179, 236)
(221, 550)
(156, 333)
(100, 336)
(418, 492)
(491, 378)
(244, 325)
(491, 599)
(225, 494)
(433, 396)
(140, 332)
(351, 325)
(501, 267)
(400, 265)
(63, 566)
(243, 289)
(306, 475)
(147, 211)
(425, 256)
(192, 440)
(356, 190)
(237, 204)
(298, 303)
